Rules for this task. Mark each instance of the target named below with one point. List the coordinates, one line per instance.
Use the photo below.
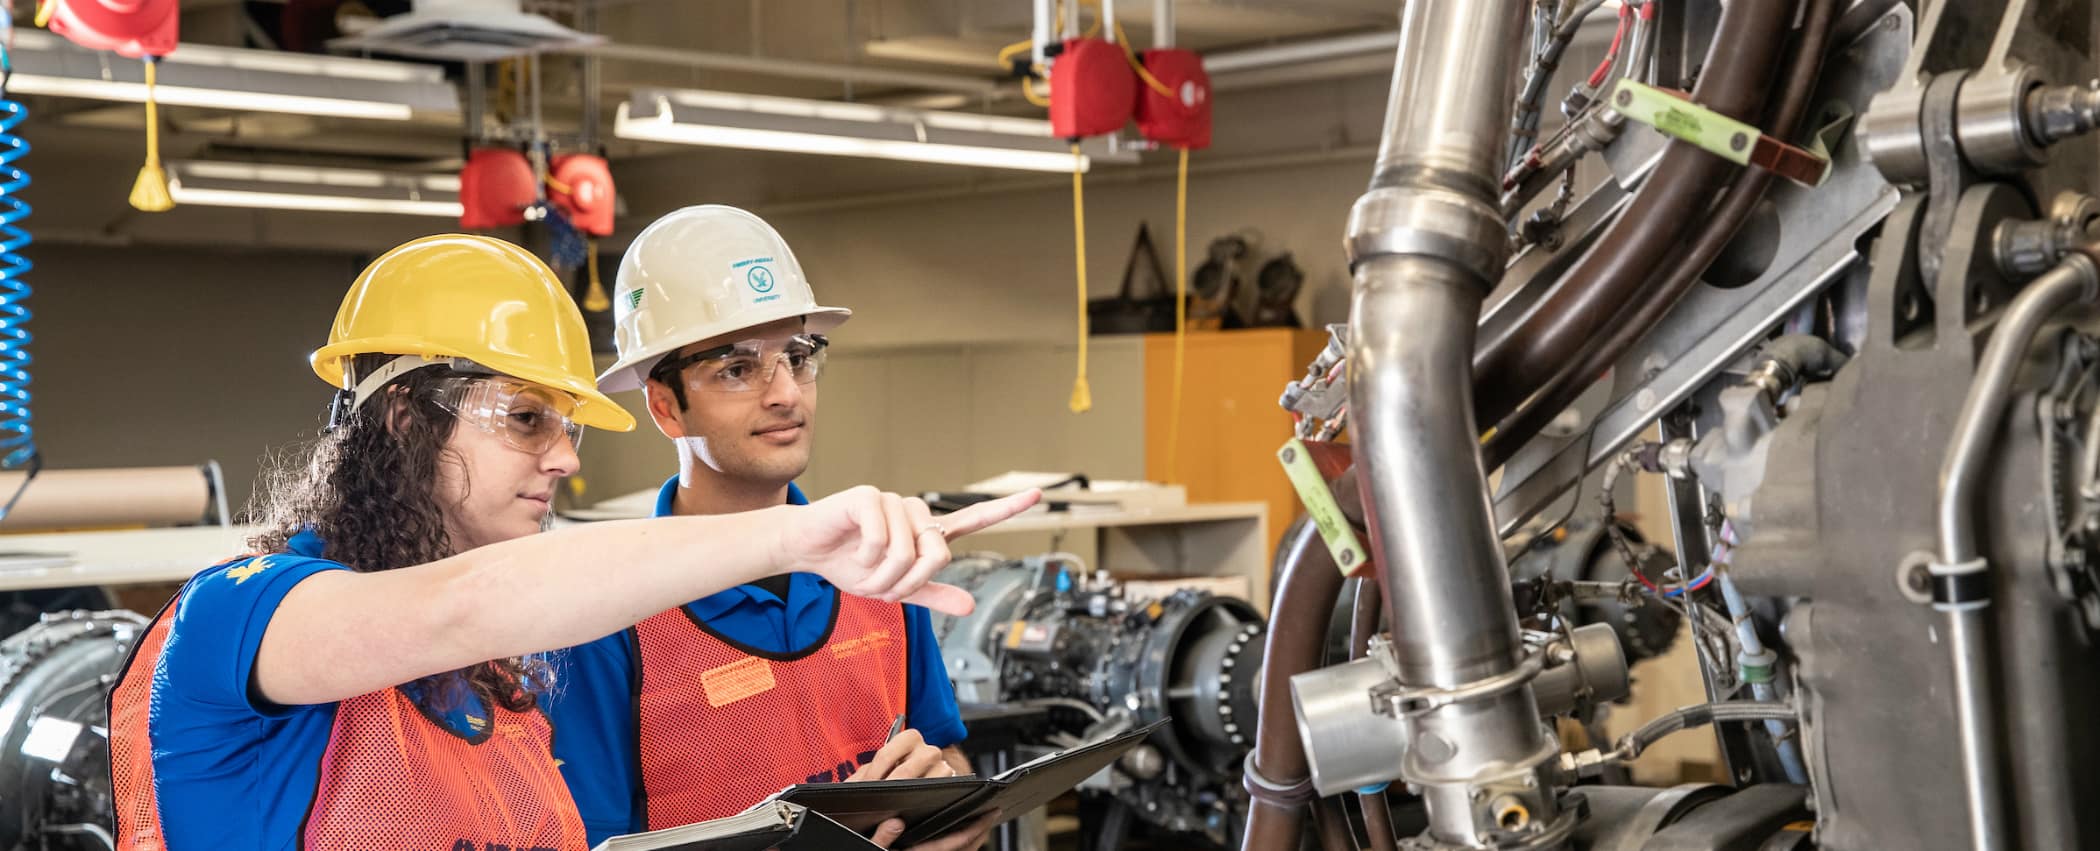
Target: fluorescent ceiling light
(234, 79)
(343, 190)
(757, 122)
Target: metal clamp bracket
(1960, 587)
(1402, 701)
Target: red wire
(1636, 571)
(1618, 37)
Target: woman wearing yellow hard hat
(367, 679)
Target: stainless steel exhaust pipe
(1426, 244)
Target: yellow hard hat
(472, 297)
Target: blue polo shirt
(232, 770)
(592, 704)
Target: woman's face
(492, 489)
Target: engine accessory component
(1685, 269)
(1352, 743)
(1317, 401)
(1574, 572)
(1961, 576)
(1040, 635)
(1812, 239)
(1515, 361)
(54, 746)
(2029, 248)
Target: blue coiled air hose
(17, 437)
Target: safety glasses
(528, 417)
(748, 365)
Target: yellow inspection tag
(1717, 134)
(1319, 504)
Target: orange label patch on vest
(862, 645)
(737, 680)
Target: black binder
(934, 806)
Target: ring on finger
(932, 527)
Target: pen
(895, 728)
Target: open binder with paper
(837, 815)
(769, 825)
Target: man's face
(761, 434)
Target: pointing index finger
(985, 514)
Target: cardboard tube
(118, 496)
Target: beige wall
(174, 356)
(934, 417)
(999, 267)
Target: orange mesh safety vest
(393, 778)
(722, 724)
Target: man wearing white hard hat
(698, 712)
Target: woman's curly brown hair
(368, 491)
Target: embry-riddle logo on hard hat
(758, 275)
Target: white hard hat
(698, 273)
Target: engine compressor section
(1104, 660)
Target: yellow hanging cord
(1181, 314)
(1143, 74)
(150, 192)
(1007, 53)
(1028, 91)
(595, 300)
(1082, 396)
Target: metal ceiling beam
(792, 68)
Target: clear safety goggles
(748, 365)
(528, 417)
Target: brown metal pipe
(1331, 824)
(1509, 367)
(1307, 581)
(1722, 225)
(1363, 623)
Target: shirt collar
(307, 543)
(804, 589)
(667, 496)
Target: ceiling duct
(465, 31)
